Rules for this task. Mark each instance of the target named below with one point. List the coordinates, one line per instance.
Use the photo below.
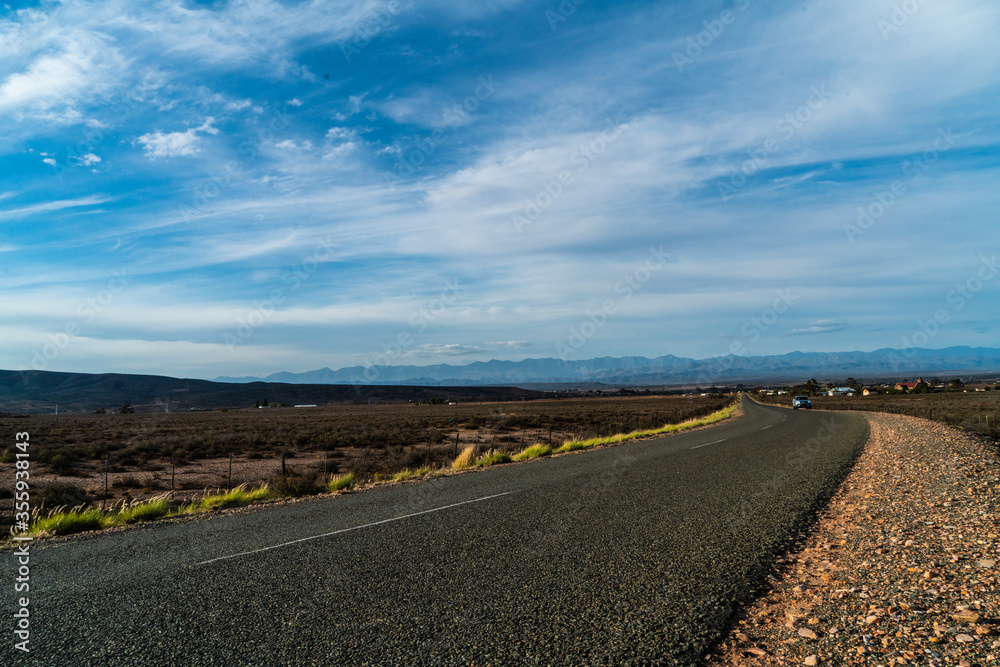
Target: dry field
(73, 457)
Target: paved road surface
(632, 555)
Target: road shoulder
(901, 568)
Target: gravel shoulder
(901, 568)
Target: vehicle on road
(801, 402)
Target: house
(841, 391)
(870, 392)
(909, 386)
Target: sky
(201, 189)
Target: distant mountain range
(666, 370)
(42, 391)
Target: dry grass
(465, 460)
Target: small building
(841, 391)
(870, 392)
(909, 386)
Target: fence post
(171, 472)
(230, 472)
(456, 444)
(107, 459)
(282, 463)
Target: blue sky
(237, 188)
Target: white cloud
(239, 105)
(510, 344)
(821, 327)
(88, 159)
(175, 144)
(84, 68)
(446, 350)
(340, 133)
(58, 205)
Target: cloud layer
(240, 188)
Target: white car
(801, 402)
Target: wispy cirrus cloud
(820, 327)
(57, 205)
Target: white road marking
(346, 530)
(709, 443)
(766, 427)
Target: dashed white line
(766, 427)
(708, 443)
(346, 530)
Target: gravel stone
(899, 569)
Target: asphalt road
(631, 555)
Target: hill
(42, 391)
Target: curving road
(631, 555)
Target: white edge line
(345, 530)
(709, 443)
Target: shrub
(148, 511)
(77, 520)
(294, 486)
(341, 482)
(59, 495)
(533, 452)
(574, 446)
(127, 482)
(62, 464)
(493, 458)
(241, 495)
